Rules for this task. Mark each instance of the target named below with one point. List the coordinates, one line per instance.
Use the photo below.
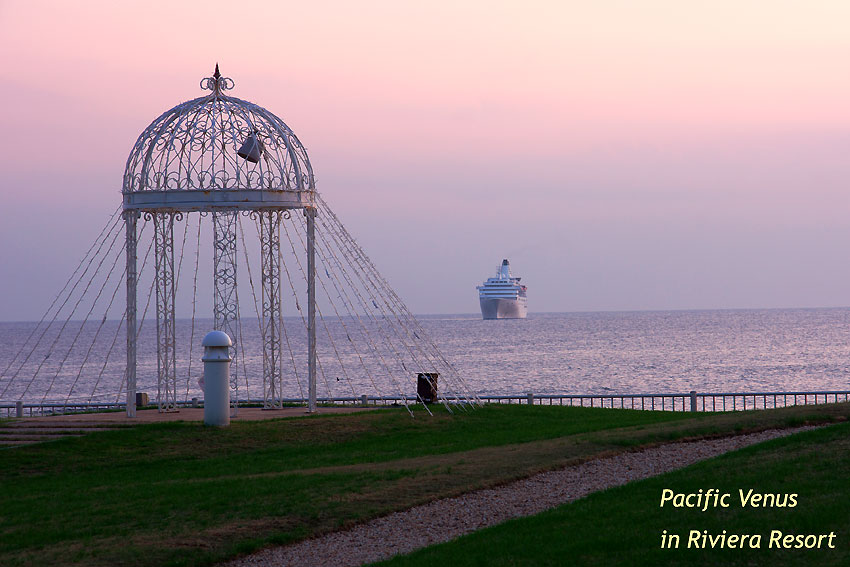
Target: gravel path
(443, 520)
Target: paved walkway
(444, 520)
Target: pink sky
(624, 155)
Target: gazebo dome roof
(200, 145)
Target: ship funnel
(505, 270)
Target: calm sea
(652, 351)
(628, 352)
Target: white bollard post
(217, 378)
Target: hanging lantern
(251, 148)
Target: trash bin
(426, 386)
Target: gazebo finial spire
(217, 83)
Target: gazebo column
(270, 260)
(310, 213)
(226, 306)
(166, 363)
(130, 217)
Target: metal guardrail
(691, 401)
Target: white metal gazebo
(219, 155)
(230, 160)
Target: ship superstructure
(503, 297)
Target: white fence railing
(691, 401)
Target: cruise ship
(503, 297)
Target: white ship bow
(503, 297)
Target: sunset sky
(624, 155)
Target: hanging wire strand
(70, 315)
(387, 324)
(94, 339)
(319, 365)
(469, 394)
(348, 307)
(360, 313)
(379, 294)
(241, 352)
(355, 254)
(121, 280)
(86, 318)
(114, 218)
(194, 298)
(140, 325)
(347, 304)
(283, 327)
(324, 323)
(365, 308)
(182, 249)
(91, 258)
(303, 320)
(389, 373)
(121, 326)
(257, 311)
(118, 329)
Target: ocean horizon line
(473, 314)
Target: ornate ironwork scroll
(194, 146)
(166, 363)
(270, 253)
(226, 307)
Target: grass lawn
(185, 494)
(624, 525)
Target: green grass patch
(624, 525)
(185, 494)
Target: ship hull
(503, 308)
